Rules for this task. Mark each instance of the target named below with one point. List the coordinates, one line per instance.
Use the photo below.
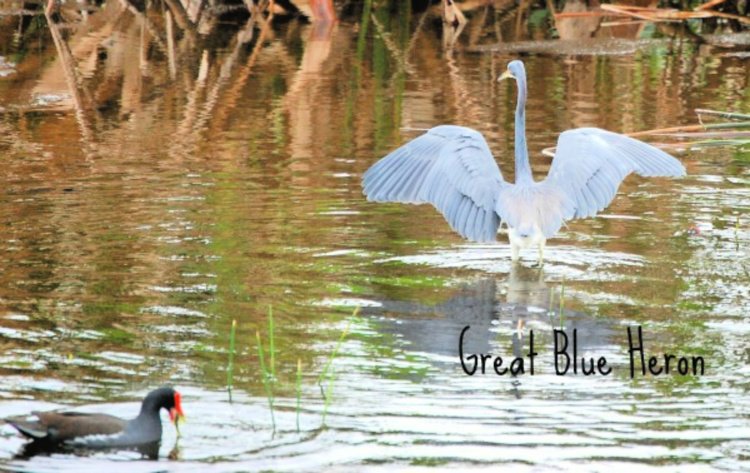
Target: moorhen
(50, 430)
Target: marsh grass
(267, 364)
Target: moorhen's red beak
(175, 413)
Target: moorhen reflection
(75, 431)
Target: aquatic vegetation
(325, 381)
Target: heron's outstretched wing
(590, 164)
(450, 167)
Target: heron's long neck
(523, 168)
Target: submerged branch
(720, 138)
(722, 114)
(668, 14)
(685, 128)
(708, 134)
(709, 4)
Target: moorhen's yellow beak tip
(176, 414)
(177, 417)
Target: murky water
(145, 212)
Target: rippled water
(137, 229)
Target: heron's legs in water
(514, 252)
(541, 253)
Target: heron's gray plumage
(539, 204)
(452, 168)
(590, 164)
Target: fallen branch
(689, 131)
(709, 4)
(629, 21)
(668, 14)
(656, 14)
(730, 16)
(583, 14)
(19, 12)
(708, 134)
(677, 129)
(719, 113)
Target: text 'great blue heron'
(452, 168)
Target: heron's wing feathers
(590, 164)
(450, 167)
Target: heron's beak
(506, 75)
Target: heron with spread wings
(452, 168)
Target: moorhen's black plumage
(75, 429)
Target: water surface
(142, 218)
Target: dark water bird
(75, 430)
(452, 168)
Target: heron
(452, 168)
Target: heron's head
(515, 71)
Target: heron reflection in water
(452, 168)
